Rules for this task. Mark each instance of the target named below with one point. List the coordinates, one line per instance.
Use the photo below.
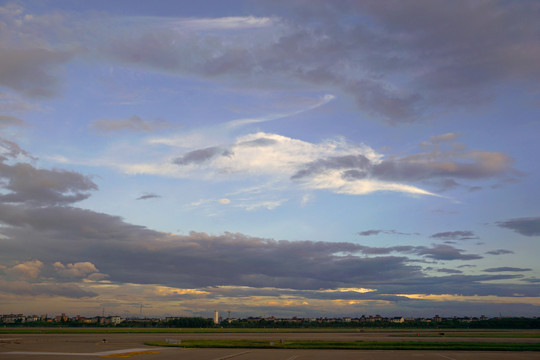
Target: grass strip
(471, 335)
(353, 345)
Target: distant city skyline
(321, 158)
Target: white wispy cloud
(239, 122)
(276, 159)
(223, 23)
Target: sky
(270, 158)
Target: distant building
(60, 318)
(216, 317)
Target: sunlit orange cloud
(359, 290)
(165, 290)
(475, 298)
(340, 302)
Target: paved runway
(77, 346)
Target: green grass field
(354, 345)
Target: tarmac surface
(81, 346)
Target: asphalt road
(80, 346)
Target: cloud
(438, 66)
(23, 183)
(506, 269)
(450, 55)
(242, 122)
(80, 269)
(434, 165)
(6, 121)
(148, 196)
(448, 137)
(450, 271)
(13, 103)
(223, 23)
(201, 155)
(23, 288)
(455, 235)
(335, 165)
(133, 123)
(446, 252)
(224, 201)
(524, 226)
(499, 252)
(32, 72)
(285, 159)
(10, 150)
(437, 252)
(377, 232)
(91, 241)
(28, 269)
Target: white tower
(216, 317)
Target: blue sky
(270, 158)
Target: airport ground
(94, 345)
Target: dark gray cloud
(445, 54)
(435, 167)
(24, 288)
(132, 123)
(455, 235)
(357, 162)
(449, 53)
(499, 252)
(445, 252)
(200, 260)
(524, 226)
(148, 196)
(32, 72)
(24, 183)
(461, 284)
(10, 150)
(450, 271)
(507, 268)
(370, 232)
(6, 121)
(201, 155)
(388, 232)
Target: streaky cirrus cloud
(223, 23)
(388, 232)
(455, 235)
(133, 123)
(241, 122)
(507, 269)
(500, 252)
